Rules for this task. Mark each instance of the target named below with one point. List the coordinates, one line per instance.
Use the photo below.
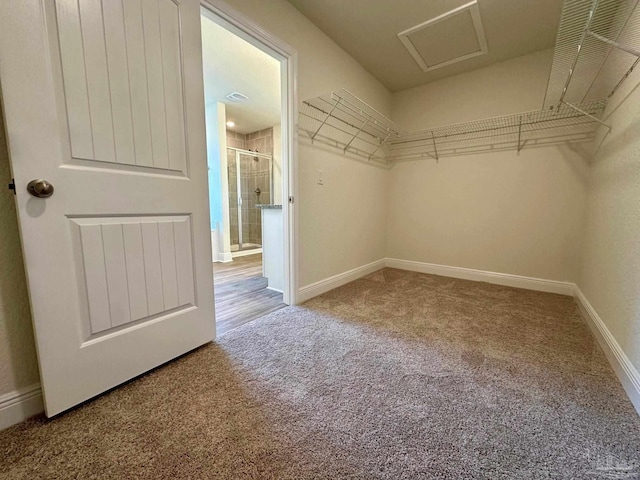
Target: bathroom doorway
(248, 109)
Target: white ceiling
(368, 29)
(233, 65)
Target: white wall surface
(18, 364)
(610, 274)
(341, 224)
(505, 212)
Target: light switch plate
(320, 177)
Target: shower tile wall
(254, 175)
(258, 176)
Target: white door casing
(104, 99)
(243, 26)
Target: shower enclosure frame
(238, 152)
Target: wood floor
(241, 292)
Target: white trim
(245, 253)
(314, 289)
(517, 281)
(625, 370)
(252, 32)
(19, 405)
(224, 257)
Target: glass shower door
(250, 184)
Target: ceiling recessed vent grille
(237, 97)
(449, 38)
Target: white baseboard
(517, 281)
(19, 405)
(244, 253)
(626, 372)
(223, 257)
(318, 288)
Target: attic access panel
(449, 38)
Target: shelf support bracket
(379, 146)
(325, 120)
(355, 136)
(587, 114)
(435, 147)
(519, 134)
(615, 44)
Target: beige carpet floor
(396, 375)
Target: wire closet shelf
(597, 47)
(342, 120)
(508, 132)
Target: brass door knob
(40, 188)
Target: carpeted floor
(397, 375)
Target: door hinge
(12, 185)
(290, 199)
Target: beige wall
(610, 274)
(513, 86)
(18, 365)
(501, 212)
(341, 223)
(504, 212)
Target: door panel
(118, 260)
(113, 52)
(134, 268)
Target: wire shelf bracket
(435, 147)
(346, 147)
(587, 114)
(382, 143)
(313, 137)
(344, 121)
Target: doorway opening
(247, 87)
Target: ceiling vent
(237, 97)
(449, 38)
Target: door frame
(245, 28)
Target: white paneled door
(103, 102)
